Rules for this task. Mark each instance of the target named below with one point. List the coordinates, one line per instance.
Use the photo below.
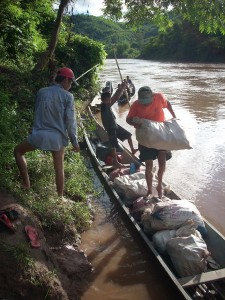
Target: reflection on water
(197, 93)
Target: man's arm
(130, 121)
(118, 93)
(170, 109)
(71, 123)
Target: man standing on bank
(54, 122)
(150, 106)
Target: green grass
(16, 115)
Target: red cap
(67, 73)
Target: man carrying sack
(150, 106)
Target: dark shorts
(118, 133)
(151, 153)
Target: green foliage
(81, 54)
(16, 117)
(21, 25)
(113, 35)
(208, 14)
(184, 42)
(42, 199)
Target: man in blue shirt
(54, 122)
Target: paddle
(126, 94)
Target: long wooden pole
(121, 78)
(118, 67)
(87, 72)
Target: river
(197, 94)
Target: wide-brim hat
(67, 72)
(145, 95)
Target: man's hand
(124, 85)
(137, 125)
(76, 148)
(131, 122)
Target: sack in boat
(150, 223)
(118, 173)
(131, 186)
(161, 237)
(172, 215)
(168, 135)
(138, 207)
(175, 213)
(188, 255)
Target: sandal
(6, 223)
(11, 213)
(33, 236)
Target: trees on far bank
(208, 14)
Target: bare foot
(148, 195)
(159, 190)
(117, 165)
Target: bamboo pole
(128, 101)
(86, 72)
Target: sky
(92, 6)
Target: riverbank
(58, 269)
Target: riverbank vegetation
(182, 42)
(27, 31)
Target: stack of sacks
(171, 215)
(186, 248)
(160, 238)
(188, 254)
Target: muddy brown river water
(122, 269)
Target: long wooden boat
(126, 97)
(207, 285)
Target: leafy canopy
(208, 14)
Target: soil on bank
(58, 269)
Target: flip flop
(33, 236)
(4, 220)
(11, 213)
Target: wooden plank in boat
(111, 167)
(202, 278)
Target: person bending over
(114, 130)
(54, 122)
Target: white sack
(150, 223)
(188, 255)
(161, 238)
(168, 135)
(172, 215)
(132, 186)
(175, 213)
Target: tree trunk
(45, 56)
